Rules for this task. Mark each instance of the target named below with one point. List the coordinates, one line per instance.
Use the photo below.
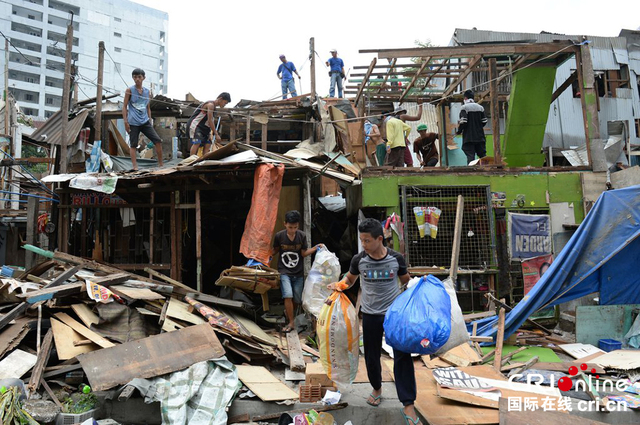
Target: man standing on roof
(336, 73)
(397, 131)
(136, 114)
(470, 125)
(285, 73)
(201, 123)
(404, 117)
(425, 147)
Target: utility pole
(312, 58)
(98, 120)
(66, 90)
(7, 128)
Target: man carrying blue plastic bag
(379, 269)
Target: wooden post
(198, 243)
(312, 57)
(32, 231)
(495, 111)
(457, 235)
(174, 237)
(264, 137)
(497, 360)
(98, 119)
(179, 237)
(589, 100)
(66, 89)
(152, 216)
(232, 130)
(248, 130)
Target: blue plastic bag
(419, 320)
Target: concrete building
(134, 36)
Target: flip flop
(408, 420)
(287, 329)
(375, 399)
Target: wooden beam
(174, 238)
(495, 111)
(386, 77)
(199, 236)
(462, 76)
(569, 81)
(41, 362)
(472, 50)
(457, 234)
(434, 74)
(497, 360)
(415, 78)
(51, 293)
(296, 359)
(504, 74)
(365, 80)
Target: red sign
(533, 269)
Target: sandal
(287, 329)
(409, 420)
(376, 400)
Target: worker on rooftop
(470, 125)
(285, 73)
(425, 147)
(396, 130)
(336, 73)
(404, 117)
(136, 114)
(201, 123)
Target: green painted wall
(383, 191)
(529, 105)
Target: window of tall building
(117, 49)
(117, 34)
(117, 19)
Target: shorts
(291, 287)
(200, 138)
(147, 130)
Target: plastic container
(70, 418)
(609, 345)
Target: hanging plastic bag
(459, 333)
(338, 339)
(419, 320)
(325, 270)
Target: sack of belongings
(338, 339)
(325, 270)
(425, 319)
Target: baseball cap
(281, 56)
(333, 50)
(422, 127)
(399, 111)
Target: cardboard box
(315, 375)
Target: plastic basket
(609, 345)
(70, 418)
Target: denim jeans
(291, 287)
(335, 78)
(289, 87)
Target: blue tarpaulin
(602, 256)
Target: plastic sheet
(325, 270)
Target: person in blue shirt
(336, 73)
(285, 73)
(136, 114)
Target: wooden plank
(409, 86)
(84, 331)
(296, 359)
(365, 80)
(472, 63)
(589, 358)
(113, 279)
(199, 226)
(457, 234)
(527, 365)
(167, 279)
(263, 384)
(149, 357)
(41, 362)
(85, 314)
(252, 328)
(495, 111)
(466, 398)
(51, 394)
(568, 82)
(308, 349)
(51, 293)
(579, 351)
(475, 316)
(508, 357)
(539, 417)
(63, 370)
(388, 73)
(17, 364)
(462, 355)
(497, 360)
(216, 300)
(144, 294)
(488, 356)
(620, 359)
(11, 337)
(481, 339)
(180, 310)
(434, 363)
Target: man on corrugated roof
(470, 125)
(336, 73)
(285, 73)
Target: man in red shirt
(425, 147)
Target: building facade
(135, 36)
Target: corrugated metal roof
(51, 131)
(603, 49)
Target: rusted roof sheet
(51, 131)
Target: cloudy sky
(234, 46)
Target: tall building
(135, 36)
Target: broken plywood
(263, 384)
(65, 339)
(11, 337)
(149, 357)
(85, 314)
(84, 331)
(462, 355)
(620, 359)
(578, 350)
(180, 310)
(17, 364)
(143, 294)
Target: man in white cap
(336, 73)
(285, 73)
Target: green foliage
(83, 403)
(11, 411)
(32, 151)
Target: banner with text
(529, 235)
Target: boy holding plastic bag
(379, 269)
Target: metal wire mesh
(477, 247)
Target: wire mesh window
(477, 247)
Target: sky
(217, 46)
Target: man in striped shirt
(470, 125)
